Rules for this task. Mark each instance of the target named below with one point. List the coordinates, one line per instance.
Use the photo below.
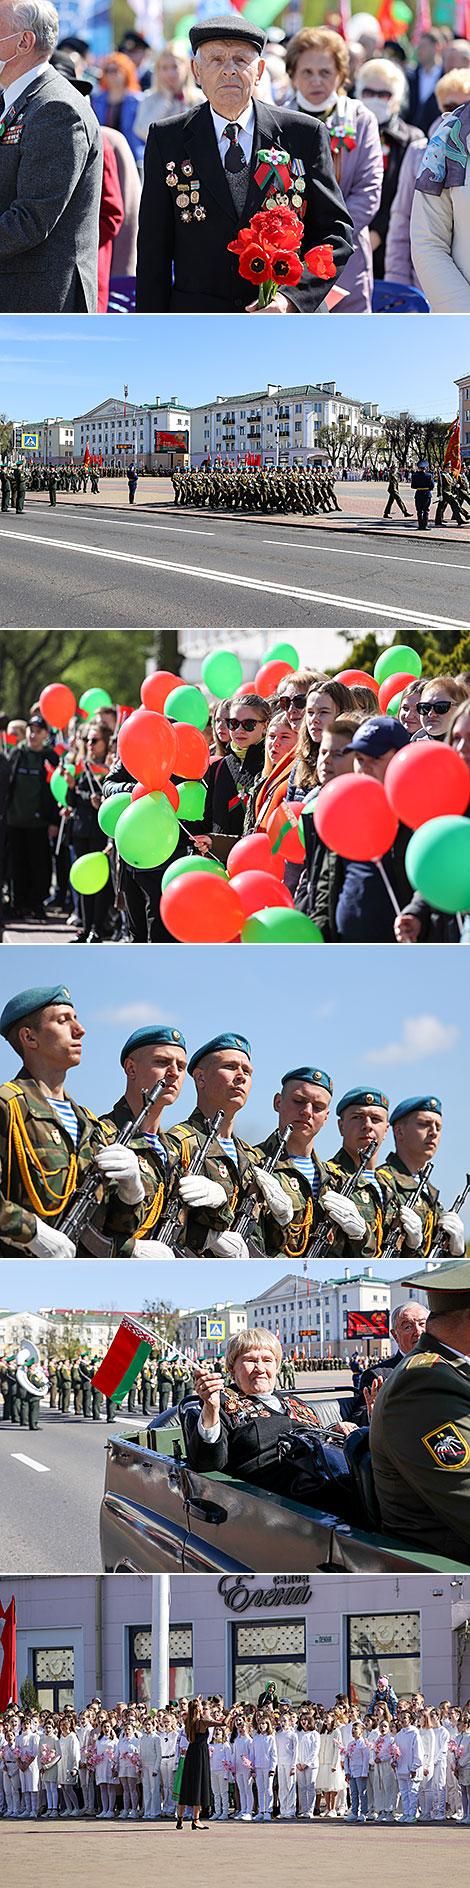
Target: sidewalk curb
(361, 528)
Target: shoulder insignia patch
(447, 1446)
(423, 1361)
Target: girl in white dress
(49, 1759)
(242, 1758)
(129, 1772)
(68, 1767)
(87, 1781)
(28, 1744)
(106, 1752)
(429, 1745)
(307, 1763)
(264, 1763)
(330, 1770)
(220, 1758)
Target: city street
(96, 564)
(38, 1852)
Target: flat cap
(448, 1287)
(226, 1041)
(363, 1098)
(153, 1032)
(227, 26)
(318, 1076)
(429, 1103)
(40, 997)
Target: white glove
(345, 1214)
(195, 1190)
(412, 1226)
(119, 1164)
(50, 1243)
(276, 1199)
(226, 1245)
(454, 1227)
(151, 1249)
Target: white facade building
(55, 441)
(464, 415)
(314, 1319)
(208, 1332)
(277, 424)
(156, 435)
(94, 1330)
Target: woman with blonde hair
(437, 701)
(172, 90)
(278, 756)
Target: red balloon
(138, 793)
(147, 746)
(171, 793)
(425, 780)
(256, 890)
(359, 678)
(192, 751)
(267, 678)
(353, 817)
(393, 685)
(253, 854)
(156, 687)
(215, 918)
(282, 831)
(57, 704)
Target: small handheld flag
(119, 1368)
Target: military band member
(86, 1373)
(151, 1054)
(77, 1387)
(47, 1141)
(53, 1361)
(164, 1384)
(417, 1125)
(420, 1426)
(65, 1385)
(222, 1072)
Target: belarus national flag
(128, 1352)
(8, 1684)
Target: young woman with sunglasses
(436, 705)
(230, 777)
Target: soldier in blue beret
(417, 1125)
(47, 1141)
(303, 1102)
(157, 1052)
(362, 1117)
(222, 1072)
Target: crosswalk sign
(216, 1327)
(30, 442)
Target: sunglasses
(433, 707)
(370, 91)
(292, 701)
(248, 726)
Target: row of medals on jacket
(188, 192)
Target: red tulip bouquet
(269, 253)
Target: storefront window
(383, 1643)
(53, 1677)
(262, 1652)
(181, 1663)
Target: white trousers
(425, 1797)
(150, 1794)
(264, 1785)
(409, 1791)
(220, 1793)
(168, 1773)
(245, 1791)
(439, 1786)
(12, 1794)
(387, 1788)
(286, 1790)
(307, 1783)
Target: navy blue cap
(318, 1076)
(377, 736)
(227, 1041)
(40, 997)
(153, 1032)
(363, 1098)
(430, 1103)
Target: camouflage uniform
(401, 1183)
(379, 1212)
(265, 1234)
(307, 1213)
(38, 1164)
(158, 1178)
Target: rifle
(390, 1249)
(319, 1247)
(243, 1223)
(170, 1226)
(438, 1251)
(84, 1199)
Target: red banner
(452, 451)
(8, 1682)
(368, 1324)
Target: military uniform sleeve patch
(423, 1361)
(447, 1446)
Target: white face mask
(328, 104)
(7, 62)
(382, 109)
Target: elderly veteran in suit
(236, 1427)
(420, 1426)
(51, 166)
(207, 173)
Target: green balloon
(147, 832)
(58, 785)
(178, 868)
(281, 652)
(191, 799)
(394, 704)
(89, 874)
(397, 661)
(275, 926)
(187, 704)
(93, 699)
(438, 862)
(110, 811)
(222, 672)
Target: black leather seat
(358, 1457)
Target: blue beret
(321, 1079)
(153, 1032)
(363, 1098)
(226, 1041)
(430, 1102)
(27, 1001)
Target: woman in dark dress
(195, 1786)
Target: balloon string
(61, 834)
(190, 836)
(388, 887)
(459, 922)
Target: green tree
(29, 1700)
(29, 659)
(161, 1315)
(451, 653)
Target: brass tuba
(30, 1374)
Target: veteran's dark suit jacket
(247, 1447)
(186, 266)
(51, 166)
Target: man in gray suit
(51, 164)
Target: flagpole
(160, 1665)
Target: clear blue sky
(392, 1018)
(67, 364)
(126, 1285)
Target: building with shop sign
(155, 435)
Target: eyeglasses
(292, 701)
(248, 726)
(433, 707)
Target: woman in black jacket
(230, 778)
(85, 835)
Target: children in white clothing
(264, 1763)
(287, 1746)
(220, 1758)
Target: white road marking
(382, 557)
(186, 530)
(40, 1467)
(422, 619)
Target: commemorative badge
(55, 1136)
(447, 1446)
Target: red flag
(86, 455)
(8, 1683)
(423, 21)
(452, 451)
(462, 19)
(344, 11)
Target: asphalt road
(107, 570)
